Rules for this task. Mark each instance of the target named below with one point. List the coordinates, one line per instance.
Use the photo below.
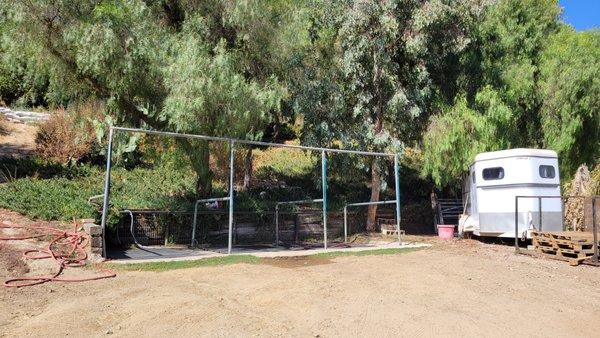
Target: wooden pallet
(573, 247)
(391, 232)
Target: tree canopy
(446, 79)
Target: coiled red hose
(66, 249)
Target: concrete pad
(165, 254)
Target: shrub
(65, 195)
(64, 138)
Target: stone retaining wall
(95, 232)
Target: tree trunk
(377, 128)
(248, 169)
(199, 155)
(202, 168)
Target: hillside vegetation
(434, 81)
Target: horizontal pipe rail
(370, 203)
(299, 202)
(256, 143)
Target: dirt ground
(458, 288)
(17, 139)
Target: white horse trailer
(496, 178)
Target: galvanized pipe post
(192, 244)
(324, 187)
(106, 199)
(562, 211)
(230, 235)
(595, 230)
(276, 224)
(397, 187)
(345, 224)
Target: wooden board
(573, 247)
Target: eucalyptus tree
(371, 85)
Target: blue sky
(581, 14)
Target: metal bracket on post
(106, 199)
(324, 187)
(230, 236)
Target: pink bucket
(445, 231)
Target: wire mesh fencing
(302, 228)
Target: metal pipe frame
(397, 190)
(232, 143)
(595, 230)
(288, 202)
(205, 200)
(231, 158)
(359, 204)
(255, 143)
(324, 189)
(106, 198)
(563, 198)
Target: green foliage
(283, 161)
(55, 199)
(451, 143)
(53, 192)
(449, 77)
(537, 86)
(186, 71)
(570, 84)
(375, 252)
(207, 94)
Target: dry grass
(68, 135)
(3, 125)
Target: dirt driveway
(464, 288)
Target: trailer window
(496, 173)
(547, 171)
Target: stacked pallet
(573, 247)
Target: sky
(581, 14)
